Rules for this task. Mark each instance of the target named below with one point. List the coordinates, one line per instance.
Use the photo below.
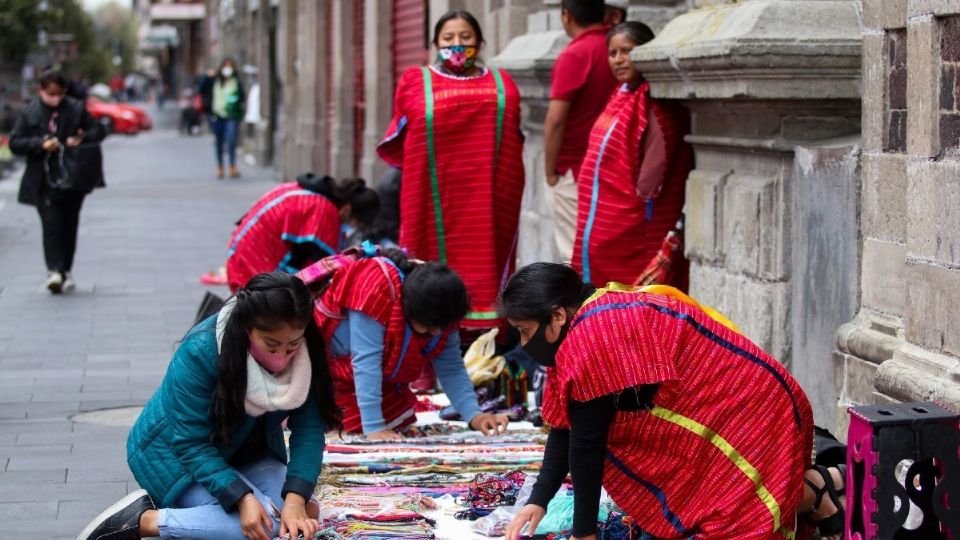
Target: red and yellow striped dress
(459, 145)
(286, 215)
(621, 221)
(723, 451)
(374, 287)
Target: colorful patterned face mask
(458, 58)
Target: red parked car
(119, 117)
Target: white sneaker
(55, 282)
(68, 283)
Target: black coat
(27, 139)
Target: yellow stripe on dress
(664, 290)
(728, 450)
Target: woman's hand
(385, 435)
(294, 519)
(530, 513)
(490, 424)
(254, 518)
(75, 140)
(50, 145)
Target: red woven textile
(479, 188)
(373, 287)
(625, 223)
(722, 453)
(286, 215)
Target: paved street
(144, 242)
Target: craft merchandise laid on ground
(442, 481)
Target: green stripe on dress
(432, 159)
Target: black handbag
(74, 168)
(210, 304)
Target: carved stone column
(771, 85)
(903, 344)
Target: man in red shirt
(581, 83)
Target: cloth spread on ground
(414, 487)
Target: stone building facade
(826, 137)
(903, 344)
(773, 87)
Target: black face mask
(542, 351)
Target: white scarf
(266, 391)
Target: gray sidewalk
(144, 242)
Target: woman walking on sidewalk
(456, 135)
(692, 429)
(384, 319)
(60, 140)
(227, 112)
(208, 448)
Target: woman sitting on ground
(208, 448)
(693, 430)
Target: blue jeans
(197, 514)
(225, 131)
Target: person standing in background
(227, 107)
(205, 91)
(615, 12)
(579, 88)
(456, 136)
(631, 185)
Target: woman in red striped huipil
(693, 430)
(384, 319)
(456, 135)
(631, 183)
(296, 224)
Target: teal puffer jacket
(169, 446)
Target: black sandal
(831, 525)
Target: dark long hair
(433, 294)
(364, 202)
(457, 14)
(534, 291)
(266, 303)
(585, 12)
(638, 32)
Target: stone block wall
(902, 345)
(773, 87)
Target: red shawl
(723, 451)
(286, 215)
(374, 287)
(630, 190)
(459, 144)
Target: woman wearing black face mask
(692, 429)
(456, 134)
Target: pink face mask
(272, 362)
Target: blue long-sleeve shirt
(362, 337)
